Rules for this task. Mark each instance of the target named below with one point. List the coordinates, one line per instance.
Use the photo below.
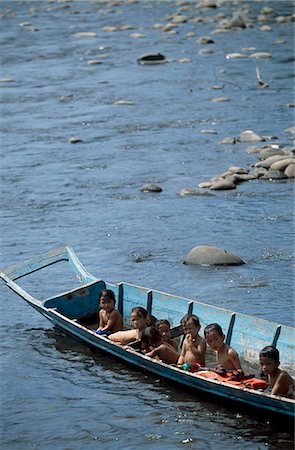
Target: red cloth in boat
(251, 383)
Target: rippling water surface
(57, 393)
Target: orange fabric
(251, 383)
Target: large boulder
(207, 255)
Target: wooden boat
(72, 310)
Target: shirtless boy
(194, 346)
(225, 355)
(280, 381)
(153, 345)
(110, 320)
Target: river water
(55, 392)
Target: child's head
(214, 336)
(269, 358)
(190, 324)
(150, 339)
(164, 327)
(139, 317)
(107, 300)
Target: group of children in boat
(156, 342)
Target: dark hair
(151, 336)
(191, 317)
(151, 320)
(140, 311)
(213, 327)
(107, 293)
(270, 352)
(162, 322)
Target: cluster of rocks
(276, 162)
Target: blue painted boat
(248, 335)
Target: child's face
(191, 328)
(165, 331)
(214, 340)
(106, 303)
(268, 365)
(137, 321)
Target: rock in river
(151, 187)
(207, 255)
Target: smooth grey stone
(290, 171)
(207, 255)
(274, 175)
(249, 136)
(151, 187)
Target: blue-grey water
(57, 393)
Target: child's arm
(182, 354)
(201, 347)
(283, 384)
(100, 319)
(234, 359)
(155, 353)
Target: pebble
(290, 171)
(225, 184)
(94, 61)
(274, 175)
(86, 34)
(205, 51)
(228, 140)
(75, 140)
(265, 28)
(185, 60)
(192, 192)
(220, 99)
(282, 164)
(266, 163)
(156, 58)
(290, 130)
(249, 136)
(124, 102)
(136, 35)
(235, 56)
(151, 187)
(208, 131)
(260, 55)
(205, 40)
(205, 184)
(237, 170)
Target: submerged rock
(192, 191)
(156, 58)
(75, 140)
(151, 187)
(274, 175)
(207, 255)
